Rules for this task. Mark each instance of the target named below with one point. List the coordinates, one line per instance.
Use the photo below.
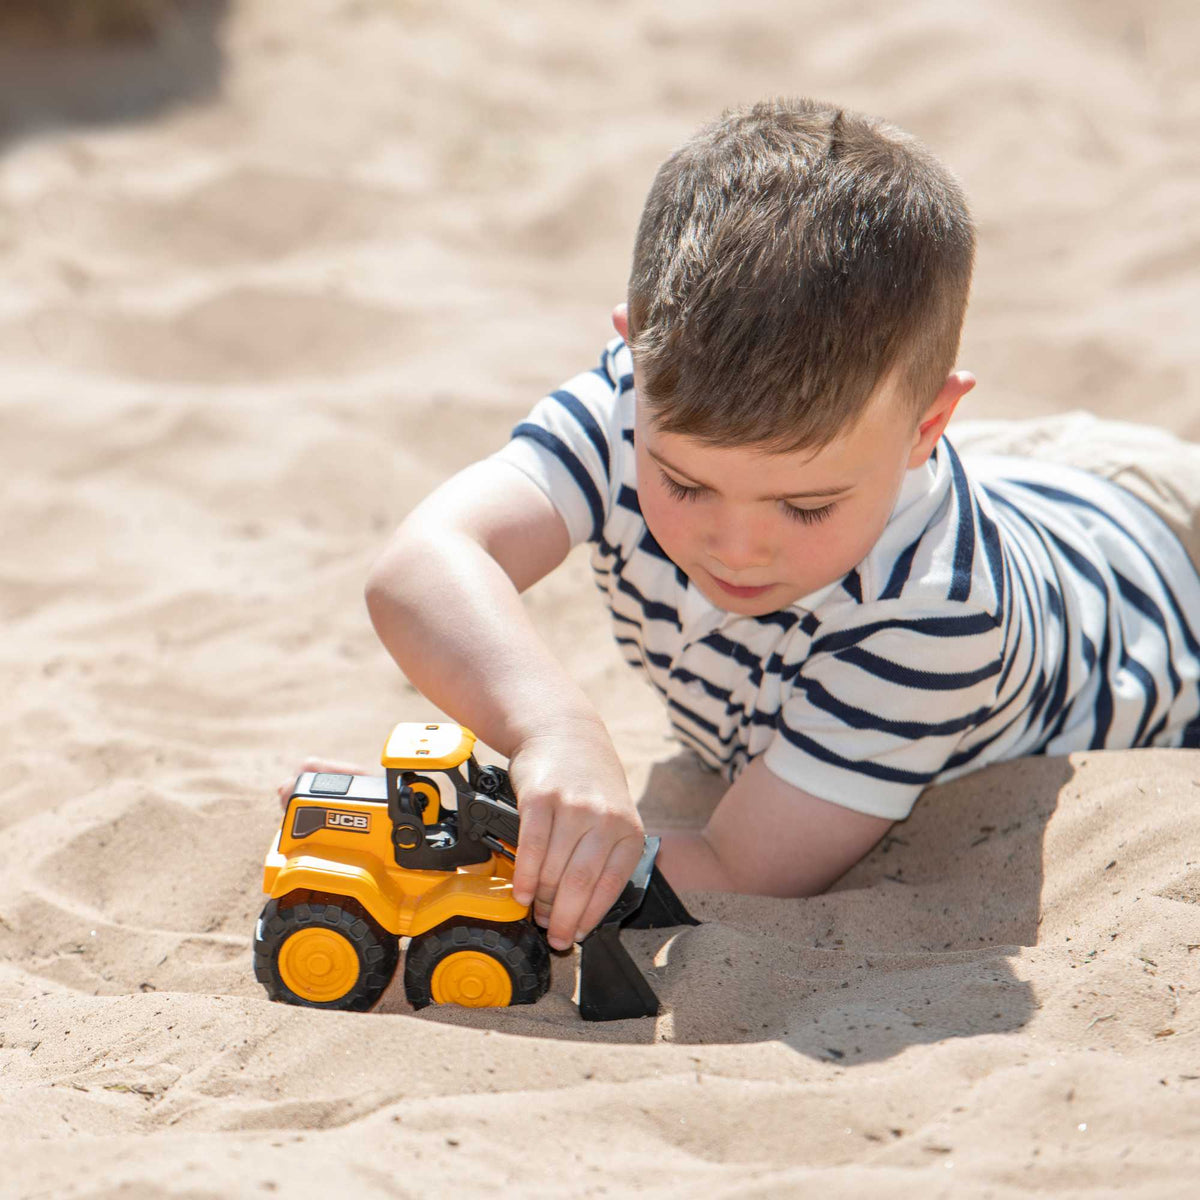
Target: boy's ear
(933, 423)
(620, 320)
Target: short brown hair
(789, 256)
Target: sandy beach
(267, 278)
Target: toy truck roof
(415, 746)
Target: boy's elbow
(396, 582)
(375, 593)
(383, 589)
(375, 588)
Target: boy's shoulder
(597, 404)
(616, 365)
(939, 552)
(576, 444)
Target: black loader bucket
(611, 988)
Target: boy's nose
(737, 547)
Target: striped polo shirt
(1010, 607)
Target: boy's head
(790, 256)
(798, 288)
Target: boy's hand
(284, 791)
(581, 835)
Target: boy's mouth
(742, 593)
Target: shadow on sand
(143, 69)
(914, 945)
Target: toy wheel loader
(426, 852)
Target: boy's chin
(746, 608)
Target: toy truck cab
(423, 833)
(413, 751)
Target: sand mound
(315, 257)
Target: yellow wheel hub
(471, 978)
(318, 965)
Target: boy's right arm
(445, 600)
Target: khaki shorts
(1153, 464)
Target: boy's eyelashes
(807, 516)
(678, 490)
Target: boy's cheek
(667, 527)
(839, 544)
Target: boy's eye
(809, 516)
(677, 489)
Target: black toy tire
(517, 945)
(378, 951)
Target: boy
(835, 611)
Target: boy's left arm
(768, 838)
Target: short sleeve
(879, 708)
(570, 443)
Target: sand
(265, 281)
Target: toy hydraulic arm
(485, 824)
(494, 822)
(488, 812)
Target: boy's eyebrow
(813, 494)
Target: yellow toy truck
(426, 852)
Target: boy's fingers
(548, 893)
(556, 847)
(574, 858)
(536, 824)
(590, 881)
(570, 900)
(611, 883)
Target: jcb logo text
(357, 822)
